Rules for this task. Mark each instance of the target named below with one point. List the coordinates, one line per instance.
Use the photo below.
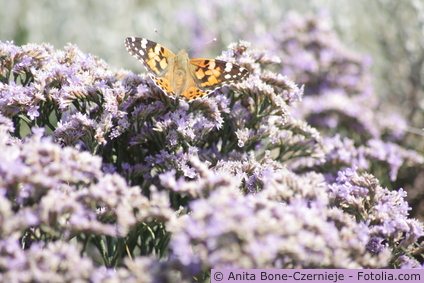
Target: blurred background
(371, 51)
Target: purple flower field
(104, 178)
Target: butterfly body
(178, 75)
(177, 72)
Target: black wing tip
(132, 39)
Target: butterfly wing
(211, 74)
(164, 84)
(154, 56)
(206, 74)
(192, 91)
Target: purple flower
(33, 112)
(386, 211)
(232, 179)
(227, 228)
(375, 245)
(11, 255)
(392, 154)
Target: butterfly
(179, 76)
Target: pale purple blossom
(392, 154)
(227, 229)
(103, 177)
(387, 211)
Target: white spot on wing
(228, 67)
(227, 76)
(143, 43)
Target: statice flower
(63, 262)
(55, 262)
(6, 125)
(65, 190)
(392, 154)
(97, 106)
(339, 99)
(31, 168)
(70, 131)
(68, 81)
(231, 230)
(342, 152)
(408, 263)
(385, 211)
(252, 115)
(99, 167)
(108, 207)
(14, 97)
(141, 269)
(330, 111)
(206, 182)
(312, 52)
(279, 188)
(6, 215)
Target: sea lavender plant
(278, 184)
(100, 167)
(225, 218)
(386, 213)
(340, 101)
(49, 192)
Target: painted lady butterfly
(178, 75)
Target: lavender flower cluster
(103, 178)
(340, 101)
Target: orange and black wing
(154, 56)
(211, 74)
